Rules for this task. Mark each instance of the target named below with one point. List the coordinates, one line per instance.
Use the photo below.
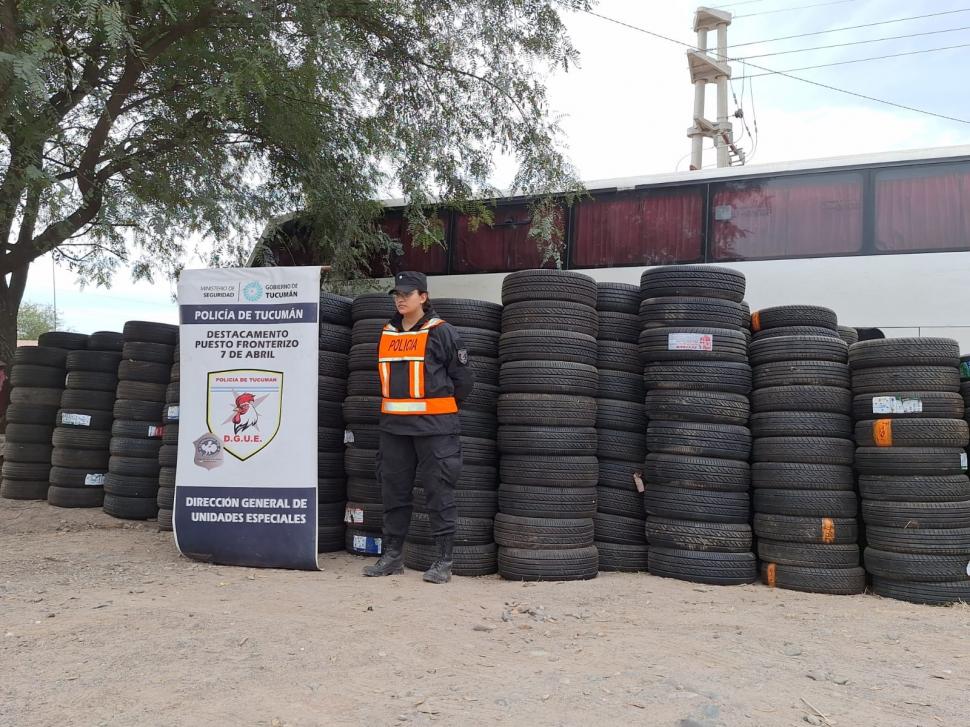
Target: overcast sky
(626, 110)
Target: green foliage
(34, 319)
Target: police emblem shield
(244, 408)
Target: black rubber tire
(371, 305)
(141, 391)
(484, 369)
(91, 458)
(909, 461)
(809, 450)
(628, 416)
(99, 361)
(801, 373)
(361, 410)
(547, 502)
(697, 406)
(478, 451)
(335, 309)
(915, 488)
(909, 405)
(916, 567)
(550, 316)
(800, 476)
(478, 424)
(64, 340)
(801, 424)
(615, 443)
(91, 381)
(892, 352)
(35, 396)
(932, 594)
(833, 581)
(151, 332)
(357, 383)
(700, 566)
(23, 489)
(130, 447)
(31, 471)
(27, 414)
(469, 560)
(130, 485)
(557, 472)
(101, 401)
(674, 503)
(478, 341)
(808, 555)
(849, 335)
(833, 399)
(917, 515)
(333, 364)
(548, 377)
(619, 558)
(628, 503)
(784, 316)
(939, 541)
(617, 297)
(470, 313)
(798, 348)
(37, 356)
(618, 356)
(542, 533)
(618, 474)
(905, 378)
(516, 564)
(75, 496)
(138, 430)
(361, 542)
(483, 398)
(362, 357)
(806, 503)
(553, 410)
(84, 419)
(44, 377)
(699, 439)
(701, 281)
(476, 504)
(806, 529)
(27, 452)
(912, 433)
(361, 463)
(619, 327)
(170, 413)
(549, 285)
(166, 477)
(470, 531)
(697, 473)
(29, 433)
(133, 466)
(620, 385)
(364, 436)
(142, 411)
(360, 489)
(366, 515)
(548, 441)
(161, 353)
(619, 529)
(78, 438)
(694, 535)
(699, 376)
(332, 337)
(723, 345)
(678, 311)
(367, 330)
(130, 508)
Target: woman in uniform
(424, 374)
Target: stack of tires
(137, 451)
(804, 488)
(912, 464)
(334, 343)
(476, 493)
(37, 381)
(619, 523)
(83, 433)
(548, 385)
(695, 356)
(168, 453)
(364, 511)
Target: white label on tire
(353, 515)
(365, 544)
(963, 461)
(690, 342)
(895, 405)
(968, 569)
(76, 420)
(154, 432)
(94, 479)
(348, 436)
(173, 412)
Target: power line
(853, 27)
(799, 7)
(857, 42)
(784, 74)
(860, 60)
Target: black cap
(408, 280)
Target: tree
(37, 318)
(131, 126)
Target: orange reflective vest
(402, 353)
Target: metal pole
(723, 122)
(700, 97)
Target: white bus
(883, 239)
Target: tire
(483, 399)
(362, 357)
(160, 353)
(617, 297)
(164, 518)
(808, 555)
(549, 285)
(27, 414)
(700, 281)
(470, 531)
(722, 376)
(806, 529)
(620, 385)
(784, 316)
(150, 332)
(892, 352)
(24, 489)
(131, 486)
(542, 533)
(933, 594)
(470, 313)
(574, 564)
(910, 461)
(151, 373)
(94, 459)
(800, 476)
(917, 515)
(27, 452)
(333, 364)
(365, 436)
(94, 361)
(698, 439)
(537, 345)
(133, 466)
(361, 542)
(372, 305)
(908, 405)
(834, 581)
(63, 340)
(675, 503)
(547, 410)
(362, 409)
(75, 496)
(478, 341)
(905, 378)
(358, 383)
(29, 471)
(32, 396)
(469, 560)
(560, 472)
(550, 316)
(335, 309)
(807, 450)
(718, 344)
(548, 377)
(697, 473)
(675, 312)
(618, 356)
(142, 411)
(698, 566)
(138, 430)
(801, 373)
(697, 406)
(29, 433)
(693, 535)
(916, 567)
(832, 399)
(938, 541)
(849, 335)
(37, 356)
(476, 504)
(614, 557)
(547, 502)
(168, 455)
(626, 446)
(166, 477)
(363, 490)
(801, 424)
(627, 416)
(618, 474)
(335, 338)
(627, 503)
(620, 327)
(130, 508)
(915, 488)
(485, 370)
(129, 447)
(912, 433)
(44, 377)
(619, 529)
(798, 348)
(101, 401)
(361, 463)
(807, 503)
(77, 438)
(141, 391)
(364, 515)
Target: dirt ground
(103, 623)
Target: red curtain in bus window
(803, 216)
(923, 208)
(639, 228)
(433, 260)
(501, 247)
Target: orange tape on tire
(756, 321)
(828, 530)
(882, 432)
(770, 575)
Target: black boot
(440, 570)
(391, 561)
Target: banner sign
(246, 483)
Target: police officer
(424, 374)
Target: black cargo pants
(436, 460)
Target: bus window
(433, 260)
(501, 247)
(798, 216)
(924, 207)
(643, 227)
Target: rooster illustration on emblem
(245, 412)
